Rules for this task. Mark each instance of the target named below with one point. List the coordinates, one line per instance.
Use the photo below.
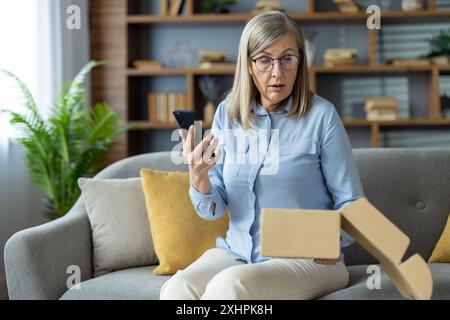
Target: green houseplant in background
(217, 6)
(440, 47)
(440, 55)
(68, 144)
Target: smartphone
(185, 119)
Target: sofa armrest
(36, 259)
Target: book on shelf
(347, 6)
(161, 105)
(440, 61)
(163, 7)
(381, 116)
(176, 6)
(410, 62)
(147, 64)
(340, 57)
(265, 6)
(208, 65)
(339, 62)
(348, 9)
(381, 103)
(215, 56)
(340, 53)
(381, 111)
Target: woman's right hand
(198, 158)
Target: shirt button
(420, 205)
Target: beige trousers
(218, 276)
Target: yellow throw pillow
(441, 253)
(180, 235)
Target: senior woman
(302, 134)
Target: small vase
(208, 113)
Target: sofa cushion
(128, 284)
(357, 287)
(179, 235)
(441, 252)
(141, 283)
(121, 234)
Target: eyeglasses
(288, 63)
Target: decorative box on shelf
(347, 6)
(340, 57)
(381, 108)
(441, 60)
(214, 59)
(148, 65)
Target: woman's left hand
(326, 261)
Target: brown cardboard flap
(412, 278)
(296, 233)
(374, 231)
(370, 228)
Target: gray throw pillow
(121, 234)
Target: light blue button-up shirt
(304, 163)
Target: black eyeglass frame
(273, 62)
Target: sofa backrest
(409, 186)
(131, 166)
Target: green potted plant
(440, 45)
(68, 144)
(217, 6)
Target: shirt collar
(259, 109)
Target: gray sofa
(410, 186)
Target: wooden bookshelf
(181, 71)
(113, 23)
(372, 69)
(300, 17)
(400, 122)
(316, 69)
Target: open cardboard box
(298, 233)
(293, 233)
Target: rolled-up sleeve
(339, 167)
(203, 202)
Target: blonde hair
(260, 32)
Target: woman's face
(264, 81)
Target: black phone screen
(185, 118)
